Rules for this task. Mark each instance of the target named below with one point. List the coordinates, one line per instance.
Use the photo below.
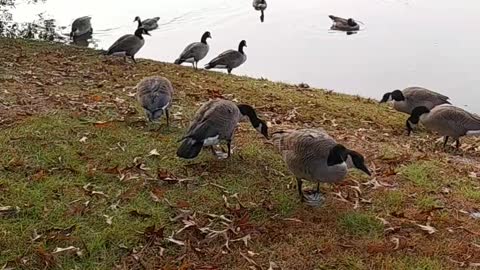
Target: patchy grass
(361, 224)
(82, 188)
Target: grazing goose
(342, 24)
(155, 96)
(312, 155)
(148, 24)
(229, 59)
(81, 26)
(260, 5)
(195, 51)
(214, 122)
(412, 97)
(128, 45)
(447, 120)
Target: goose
(81, 26)
(447, 120)
(410, 98)
(229, 59)
(342, 24)
(195, 51)
(215, 122)
(128, 45)
(148, 24)
(260, 5)
(155, 96)
(313, 155)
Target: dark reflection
(260, 5)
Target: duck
(195, 52)
(342, 24)
(260, 5)
(81, 26)
(214, 123)
(155, 96)
(447, 120)
(129, 45)
(410, 98)
(148, 24)
(313, 155)
(229, 59)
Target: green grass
(51, 175)
(360, 224)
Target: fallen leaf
(108, 219)
(154, 152)
(70, 249)
(151, 233)
(83, 139)
(9, 211)
(136, 214)
(427, 228)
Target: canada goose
(148, 24)
(128, 45)
(81, 26)
(447, 120)
(412, 97)
(195, 51)
(342, 24)
(155, 96)
(260, 5)
(312, 155)
(214, 122)
(229, 59)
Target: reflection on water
(82, 40)
(430, 43)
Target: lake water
(429, 43)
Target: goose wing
(230, 58)
(196, 50)
(336, 19)
(154, 93)
(420, 93)
(127, 43)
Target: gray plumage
(148, 24)
(155, 96)
(195, 52)
(215, 122)
(447, 120)
(313, 155)
(413, 97)
(229, 59)
(128, 45)
(81, 26)
(342, 24)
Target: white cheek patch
(166, 106)
(211, 141)
(259, 128)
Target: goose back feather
(155, 96)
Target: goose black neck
(139, 33)
(139, 23)
(338, 155)
(240, 47)
(204, 38)
(248, 111)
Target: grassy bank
(85, 183)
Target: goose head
(359, 162)
(242, 44)
(414, 118)
(351, 22)
(205, 36)
(263, 128)
(396, 95)
(137, 19)
(339, 154)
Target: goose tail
(189, 148)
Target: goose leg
(229, 71)
(300, 191)
(445, 142)
(457, 144)
(229, 148)
(133, 58)
(167, 115)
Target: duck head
(414, 118)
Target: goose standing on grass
(341, 24)
(412, 97)
(447, 120)
(128, 45)
(195, 51)
(81, 26)
(312, 155)
(260, 5)
(148, 24)
(155, 96)
(215, 122)
(229, 59)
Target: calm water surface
(430, 43)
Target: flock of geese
(310, 154)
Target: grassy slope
(52, 96)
